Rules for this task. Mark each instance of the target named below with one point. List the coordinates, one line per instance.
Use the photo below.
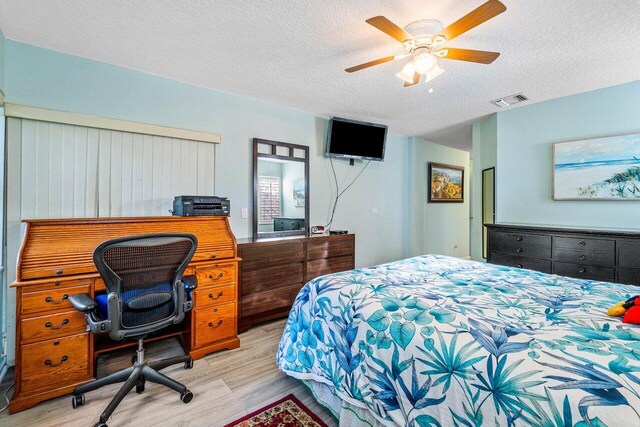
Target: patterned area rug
(286, 412)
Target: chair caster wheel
(99, 424)
(140, 388)
(77, 400)
(189, 364)
(186, 396)
(134, 359)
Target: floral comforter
(439, 341)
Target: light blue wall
(2, 60)
(44, 78)
(438, 228)
(524, 157)
(483, 155)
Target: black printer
(200, 205)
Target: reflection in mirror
(280, 189)
(281, 201)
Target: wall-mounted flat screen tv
(356, 140)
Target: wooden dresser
(273, 271)
(610, 256)
(54, 353)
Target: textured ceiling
(293, 52)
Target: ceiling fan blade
(416, 80)
(469, 55)
(370, 64)
(389, 28)
(476, 17)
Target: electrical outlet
(374, 211)
(245, 213)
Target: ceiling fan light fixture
(438, 40)
(407, 72)
(433, 73)
(442, 53)
(425, 62)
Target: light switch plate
(245, 213)
(374, 211)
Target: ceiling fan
(424, 40)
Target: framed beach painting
(446, 183)
(597, 169)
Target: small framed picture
(446, 183)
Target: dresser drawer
(218, 275)
(272, 278)
(584, 271)
(523, 250)
(52, 326)
(269, 254)
(46, 364)
(541, 265)
(280, 299)
(217, 296)
(509, 239)
(628, 254)
(320, 267)
(629, 277)
(214, 324)
(604, 259)
(577, 243)
(327, 248)
(52, 299)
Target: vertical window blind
(269, 198)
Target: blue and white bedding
(439, 341)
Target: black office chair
(145, 293)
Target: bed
(440, 341)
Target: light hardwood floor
(226, 385)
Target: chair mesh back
(145, 264)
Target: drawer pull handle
(583, 257)
(59, 271)
(519, 265)
(519, 238)
(213, 256)
(50, 325)
(51, 301)
(56, 283)
(211, 276)
(582, 270)
(583, 243)
(212, 297)
(211, 325)
(519, 250)
(48, 362)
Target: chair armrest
(190, 283)
(83, 302)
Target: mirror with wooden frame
(280, 189)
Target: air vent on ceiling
(508, 101)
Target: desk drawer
(215, 297)
(61, 361)
(53, 326)
(52, 299)
(512, 239)
(218, 275)
(584, 271)
(577, 243)
(541, 265)
(214, 324)
(604, 259)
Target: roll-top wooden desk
(54, 353)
